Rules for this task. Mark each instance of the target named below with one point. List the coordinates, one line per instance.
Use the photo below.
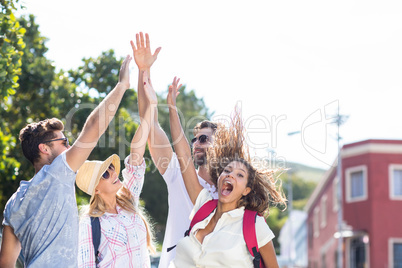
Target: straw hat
(90, 172)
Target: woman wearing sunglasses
(125, 237)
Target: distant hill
(304, 172)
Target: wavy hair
(125, 200)
(229, 145)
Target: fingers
(147, 42)
(157, 52)
(141, 39)
(126, 61)
(175, 82)
(133, 46)
(137, 40)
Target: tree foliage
(302, 190)
(11, 46)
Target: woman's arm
(268, 255)
(181, 145)
(98, 121)
(86, 251)
(139, 140)
(158, 142)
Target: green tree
(302, 190)
(275, 220)
(11, 46)
(41, 93)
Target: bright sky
(287, 62)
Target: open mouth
(116, 180)
(227, 188)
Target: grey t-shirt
(44, 215)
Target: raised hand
(173, 91)
(149, 89)
(124, 74)
(142, 52)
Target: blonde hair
(229, 145)
(125, 200)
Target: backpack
(96, 234)
(249, 234)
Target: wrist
(172, 107)
(144, 68)
(123, 85)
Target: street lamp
(340, 119)
(290, 207)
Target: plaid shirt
(123, 236)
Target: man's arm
(158, 142)
(98, 121)
(10, 248)
(181, 146)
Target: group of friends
(41, 219)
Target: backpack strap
(250, 237)
(202, 213)
(96, 234)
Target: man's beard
(200, 160)
(51, 158)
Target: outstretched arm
(139, 141)
(181, 146)
(158, 143)
(10, 248)
(98, 121)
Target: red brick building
(371, 204)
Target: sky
(289, 64)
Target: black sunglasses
(65, 143)
(201, 138)
(106, 174)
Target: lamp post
(340, 119)
(290, 208)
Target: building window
(397, 255)
(335, 200)
(395, 252)
(395, 182)
(316, 222)
(323, 211)
(356, 184)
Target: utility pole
(340, 119)
(290, 207)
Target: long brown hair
(229, 145)
(125, 200)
